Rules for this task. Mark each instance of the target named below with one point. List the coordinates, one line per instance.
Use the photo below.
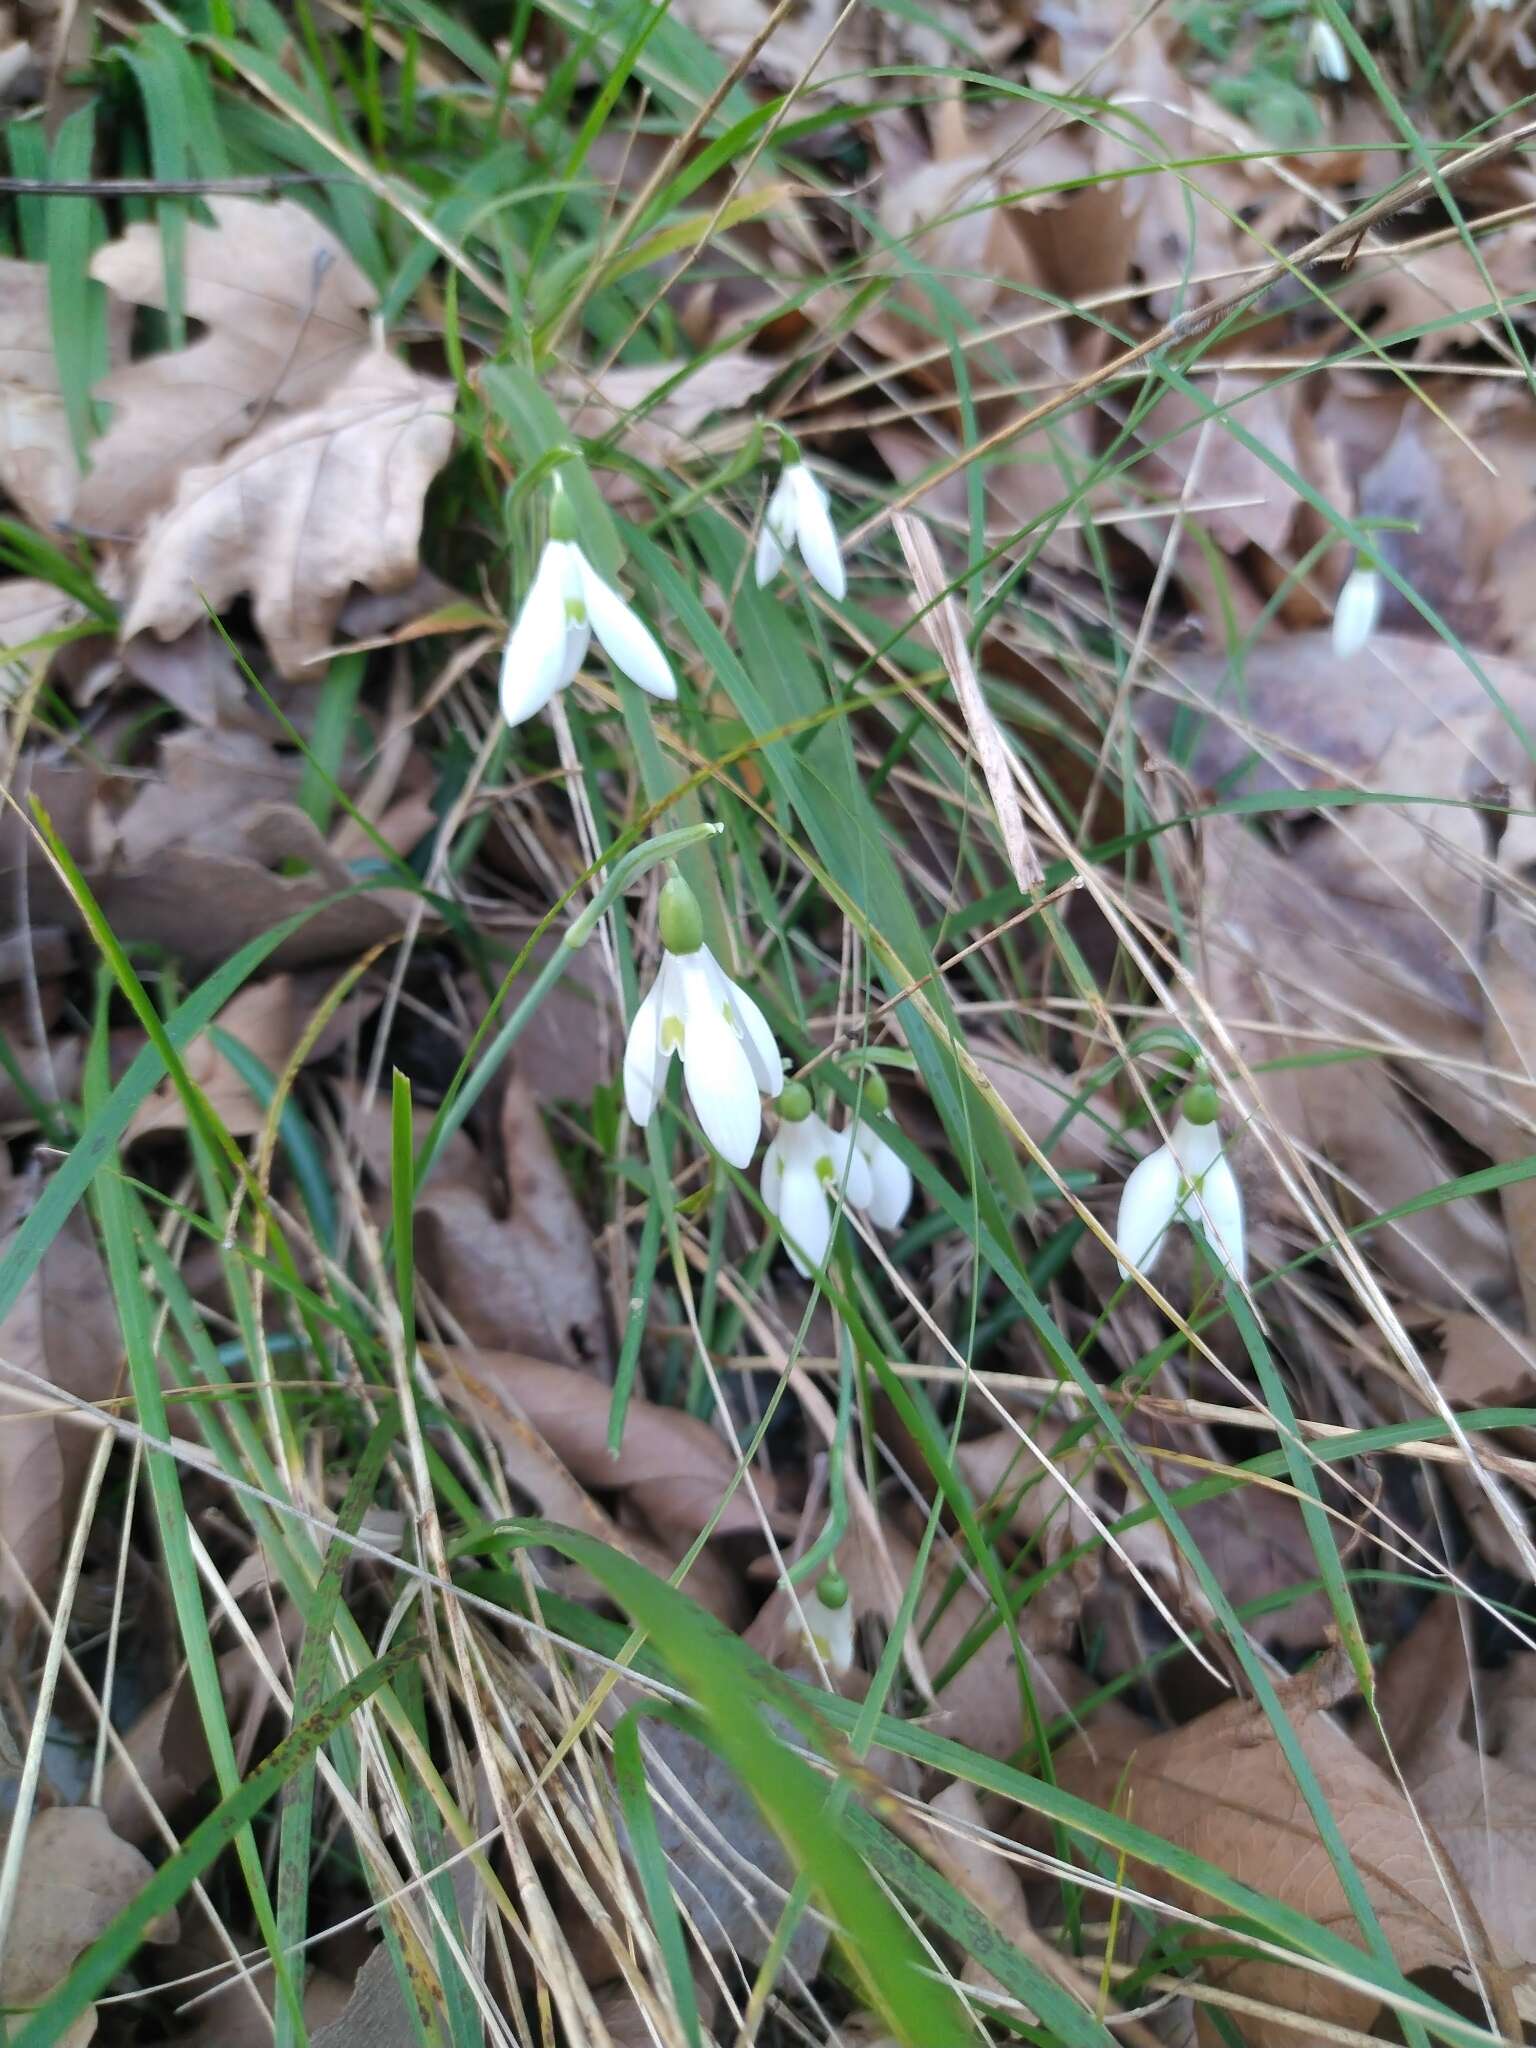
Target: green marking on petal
(576, 611)
(671, 1034)
(825, 1170)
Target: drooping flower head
(799, 516)
(1325, 48)
(1358, 608)
(890, 1177)
(567, 603)
(806, 1170)
(828, 1622)
(694, 1009)
(1187, 1181)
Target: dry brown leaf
(264, 1018)
(38, 470)
(305, 508)
(1040, 1096)
(64, 1329)
(1481, 1805)
(285, 309)
(1482, 1364)
(1509, 1032)
(1220, 1787)
(665, 432)
(76, 1877)
(29, 610)
(674, 1468)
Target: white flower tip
(1357, 610)
(1329, 55)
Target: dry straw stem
(1190, 327)
(940, 614)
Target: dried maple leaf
(63, 1329)
(76, 1877)
(286, 312)
(308, 506)
(1221, 1787)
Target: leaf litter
(1114, 629)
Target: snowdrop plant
(1187, 1181)
(730, 1059)
(806, 1169)
(567, 603)
(1357, 609)
(1325, 48)
(799, 516)
(890, 1177)
(827, 1622)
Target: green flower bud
(877, 1096)
(795, 1103)
(832, 1590)
(1201, 1104)
(562, 513)
(682, 928)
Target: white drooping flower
(567, 603)
(799, 515)
(807, 1168)
(730, 1059)
(1325, 47)
(1357, 610)
(1188, 1180)
(828, 1622)
(890, 1177)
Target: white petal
(1328, 52)
(816, 534)
(721, 1084)
(645, 1064)
(851, 1178)
(1219, 1206)
(830, 1629)
(1197, 1147)
(771, 1180)
(1356, 613)
(805, 1216)
(631, 646)
(770, 556)
(783, 515)
(1147, 1207)
(759, 1043)
(535, 663)
(890, 1178)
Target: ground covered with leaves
(965, 575)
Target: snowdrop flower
(1326, 49)
(798, 516)
(1481, 7)
(890, 1177)
(1185, 1181)
(828, 1622)
(1357, 609)
(567, 603)
(694, 1008)
(806, 1168)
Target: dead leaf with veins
(76, 1877)
(285, 310)
(1479, 1798)
(309, 505)
(39, 471)
(63, 1330)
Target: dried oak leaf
(38, 470)
(305, 508)
(1480, 1802)
(672, 1466)
(265, 1018)
(285, 309)
(1220, 1787)
(76, 1877)
(29, 610)
(63, 1328)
